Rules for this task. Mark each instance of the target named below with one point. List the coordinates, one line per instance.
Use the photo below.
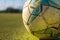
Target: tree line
(11, 10)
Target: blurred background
(11, 25)
(11, 5)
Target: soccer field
(12, 28)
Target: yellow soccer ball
(45, 25)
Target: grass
(12, 28)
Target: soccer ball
(45, 25)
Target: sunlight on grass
(12, 28)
